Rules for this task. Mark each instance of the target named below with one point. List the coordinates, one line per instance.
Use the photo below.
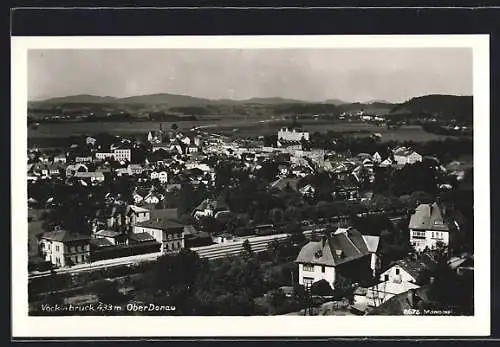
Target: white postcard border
(25, 326)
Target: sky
(391, 74)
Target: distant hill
(442, 107)
(78, 99)
(336, 102)
(273, 101)
(166, 99)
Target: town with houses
(288, 228)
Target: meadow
(244, 128)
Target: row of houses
(349, 253)
(157, 231)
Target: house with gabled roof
(401, 276)
(344, 251)
(64, 248)
(403, 156)
(428, 227)
(165, 229)
(377, 158)
(137, 214)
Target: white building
(403, 156)
(61, 158)
(86, 159)
(122, 154)
(64, 248)
(166, 231)
(319, 260)
(427, 227)
(293, 134)
(138, 214)
(92, 176)
(104, 155)
(161, 176)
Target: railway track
(217, 251)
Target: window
(323, 269)
(308, 281)
(57, 248)
(397, 271)
(386, 277)
(308, 267)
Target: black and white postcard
(251, 186)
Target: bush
(322, 288)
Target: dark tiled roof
(163, 224)
(101, 243)
(141, 237)
(63, 236)
(108, 233)
(339, 248)
(428, 217)
(414, 267)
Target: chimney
(323, 240)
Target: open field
(236, 127)
(405, 133)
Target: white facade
(310, 273)
(137, 198)
(203, 213)
(104, 155)
(396, 274)
(420, 239)
(60, 159)
(170, 242)
(61, 255)
(122, 154)
(381, 292)
(83, 159)
(411, 158)
(192, 149)
(139, 215)
(152, 199)
(162, 176)
(292, 134)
